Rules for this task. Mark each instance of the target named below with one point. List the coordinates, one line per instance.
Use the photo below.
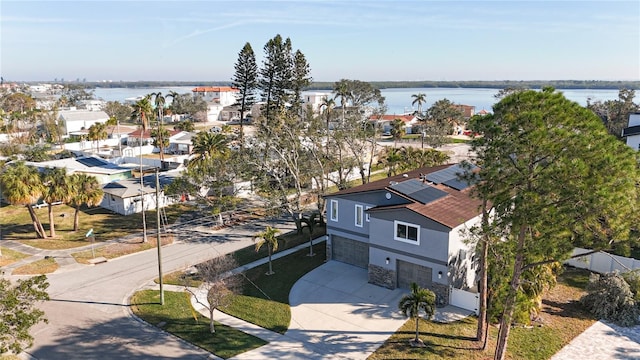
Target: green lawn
(17, 225)
(182, 320)
(265, 298)
(562, 320)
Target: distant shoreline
(326, 85)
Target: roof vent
(405, 175)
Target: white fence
(602, 262)
(464, 299)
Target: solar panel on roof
(418, 191)
(408, 186)
(457, 184)
(443, 175)
(90, 162)
(427, 195)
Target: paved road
(88, 312)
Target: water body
(398, 100)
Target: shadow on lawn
(571, 309)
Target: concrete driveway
(335, 314)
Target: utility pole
(144, 220)
(158, 237)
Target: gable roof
(433, 192)
(82, 115)
(131, 187)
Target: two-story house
(409, 228)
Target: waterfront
(398, 100)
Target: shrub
(610, 298)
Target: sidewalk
(284, 341)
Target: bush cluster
(610, 297)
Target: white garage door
(465, 299)
(409, 272)
(350, 251)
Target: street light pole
(158, 237)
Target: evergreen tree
(245, 79)
(555, 180)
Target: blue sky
(372, 40)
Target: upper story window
(359, 215)
(406, 232)
(366, 215)
(334, 210)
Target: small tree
(411, 304)
(268, 237)
(18, 312)
(610, 298)
(311, 223)
(219, 282)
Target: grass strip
(9, 256)
(177, 318)
(44, 266)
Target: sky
(375, 40)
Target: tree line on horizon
(328, 85)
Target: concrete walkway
(335, 314)
(603, 341)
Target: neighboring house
(315, 100)
(407, 228)
(632, 132)
(467, 110)
(217, 97)
(94, 166)
(384, 122)
(136, 137)
(75, 121)
(181, 143)
(231, 112)
(125, 196)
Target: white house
(125, 197)
(315, 100)
(76, 120)
(217, 97)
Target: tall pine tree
(245, 79)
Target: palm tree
(341, 89)
(160, 137)
(97, 132)
(311, 225)
(411, 304)
(85, 189)
(142, 110)
(420, 99)
(268, 237)
(397, 130)
(22, 185)
(57, 189)
(207, 145)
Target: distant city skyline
(372, 40)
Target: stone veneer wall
(442, 293)
(382, 277)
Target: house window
(359, 215)
(366, 215)
(334, 210)
(406, 232)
